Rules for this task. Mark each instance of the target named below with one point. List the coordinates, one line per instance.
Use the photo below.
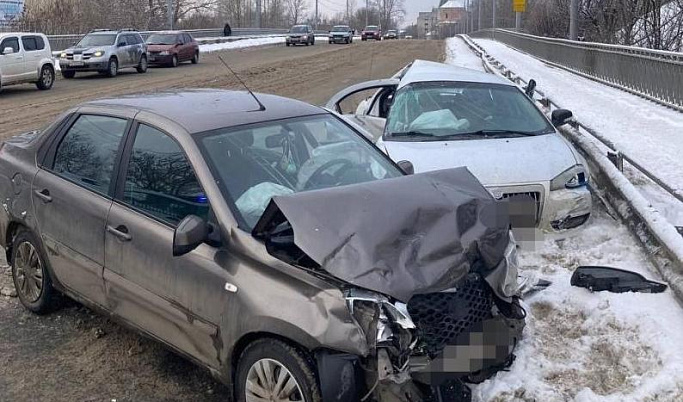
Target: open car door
(370, 112)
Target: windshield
(372, 28)
(162, 39)
(298, 29)
(459, 110)
(97, 40)
(254, 163)
(341, 29)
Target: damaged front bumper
(567, 208)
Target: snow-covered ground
(650, 133)
(581, 346)
(240, 44)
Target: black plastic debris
(614, 280)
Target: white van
(25, 58)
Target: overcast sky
(331, 7)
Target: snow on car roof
(426, 71)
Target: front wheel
(271, 370)
(142, 66)
(46, 79)
(30, 275)
(195, 58)
(174, 61)
(112, 68)
(68, 74)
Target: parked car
(371, 32)
(391, 34)
(439, 116)
(199, 227)
(105, 51)
(172, 48)
(341, 34)
(26, 58)
(301, 35)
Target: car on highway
(26, 58)
(439, 116)
(171, 48)
(371, 32)
(300, 35)
(106, 52)
(341, 34)
(251, 234)
(391, 34)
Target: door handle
(120, 231)
(44, 195)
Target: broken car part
(614, 280)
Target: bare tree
(296, 9)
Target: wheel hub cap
(269, 381)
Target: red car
(171, 48)
(371, 32)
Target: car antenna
(262, 108)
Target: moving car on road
(26, 58)
(300, 35)
(439, 116)
(105, 51)
(253, 236)
(391, 34)
(371, 32)
(341, 34)
(172, 48)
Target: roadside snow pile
(459, 54)
(584, 347)
(240, 44)
(648, 132)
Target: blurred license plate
(77, 63)
(78, 57)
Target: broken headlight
(574, 177)
(376, 315)
(511, 284)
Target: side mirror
(530, 89)
(407, 167)
(190, 233)
(560, 117)
(8, 50)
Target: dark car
(300, 35)
(371, 32)
(172, 48)
(268, 241)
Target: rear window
(33, 43)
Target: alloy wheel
(270, 381)
(29, 272)
(47, 77)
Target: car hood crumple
(494, 161)
(400, 237)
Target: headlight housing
(574, 177)
(305, 37)
(62, 55)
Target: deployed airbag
(403, 236)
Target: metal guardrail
(654, 74)
(61, 42)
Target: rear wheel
(112, 68)
(47, 78)
(142, 66)
(271, 370)
(30, 275)
(68, 74)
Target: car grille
(534, 195)
(441, 317)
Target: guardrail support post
(617, 159)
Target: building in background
(9, 11)
(452, 16)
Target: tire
(35, 292)
(112, 68)
(142, 66)
(195, 58)
(288, 44)
(174, 61)
(47, 78)
(68, 74)
(275, 355)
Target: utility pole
(316, 14)
(478, 15)
(574, 20)
(169, 14)
(518, 21)
(348, 15)
(367, 12)
(494, 13)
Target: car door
(138, 48)
(72, 197)
(190, 46)
(12, 64)
(372, 111)
(33, 46)
(123, 51)
(177, 299)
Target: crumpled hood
(496, 161)
(399, 237)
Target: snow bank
(240, 44)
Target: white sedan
(438, 116)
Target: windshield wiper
(413, 134)
(493, 133)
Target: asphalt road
(75, 354)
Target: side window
(160, 180)
(123, 39)
(181, 39)
(40, 43)
(88, 151)
(29, 43)
(138, 39)
(12, 42)
(188, 38)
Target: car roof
(200, 110)
(19, 33)
(429, 71)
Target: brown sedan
(266, 240)
(172, 48)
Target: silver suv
(106, 52)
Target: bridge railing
(653, 74)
